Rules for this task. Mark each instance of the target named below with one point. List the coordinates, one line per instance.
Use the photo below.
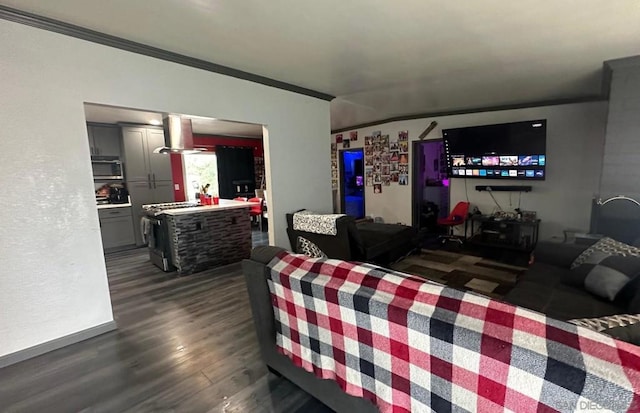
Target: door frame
(417, 187)
(341, 179)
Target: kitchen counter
(209, 236)
(223, 205)
(109, 206)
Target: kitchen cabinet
(116, 227)
(104, 140)
(140, 163)
(148, 174)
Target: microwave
(106, 169)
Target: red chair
(256, 210)
(458, 216)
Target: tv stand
(512, 234)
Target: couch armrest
(265, 253)
(558, 254)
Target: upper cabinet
(140, 163)
(104, 140)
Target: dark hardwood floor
(182, 345)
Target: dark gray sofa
(361, 241)
(327, 391)
(540, 289)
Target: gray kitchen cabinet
(116, 227)
(140, 163)
(104, 140)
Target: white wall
(575, 135)
(620, 174)
(52, 274)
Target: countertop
(109, 206)
(224, 204)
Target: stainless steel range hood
(178, 136)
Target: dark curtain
(236, 174)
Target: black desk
(511, 234)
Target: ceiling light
(155, 122)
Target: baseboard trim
(55, 344)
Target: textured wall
(575, 136)
(52, 274)
(620, 175)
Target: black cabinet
(513, 234)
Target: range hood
(178, 136)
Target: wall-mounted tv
(504, 151)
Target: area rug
(464, 272)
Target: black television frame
(504, 143)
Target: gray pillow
(607, 278)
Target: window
(200, 169)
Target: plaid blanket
(412, 345)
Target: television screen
(504, 151)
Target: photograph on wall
(377, 178)
(393, 146)
(394, 166)
(334, 174)
(394, 176)
(384, 140)
(376, 133)
(386, 169)
(403, 136)
(369, 181)
(403, 179)
(368, 151)
(403, 147)
(403, 169)
(403, 159)
(377, 188)
(395, 157)
(386, 158)
(353, 135)
(386, 180)
(368, 140)
(368, 160)
(346, 143)
(339, 138)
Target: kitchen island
(207, 236)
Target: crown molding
(57, 26)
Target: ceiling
(200, 125)
(382, 58)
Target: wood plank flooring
(183, 344)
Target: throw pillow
(603, 248)
(310, 249)
(607, 278)
(625, 327)
(601, 324)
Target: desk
(511, 234)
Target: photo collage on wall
(403, 157)
(386, 161)
(334, 164)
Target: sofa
(359, 240)
(546, 287)
(260, 269)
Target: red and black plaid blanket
(411, 345)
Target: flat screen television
(504, 151)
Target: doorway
(352, 182)
(430, 194)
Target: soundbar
(504, 188)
